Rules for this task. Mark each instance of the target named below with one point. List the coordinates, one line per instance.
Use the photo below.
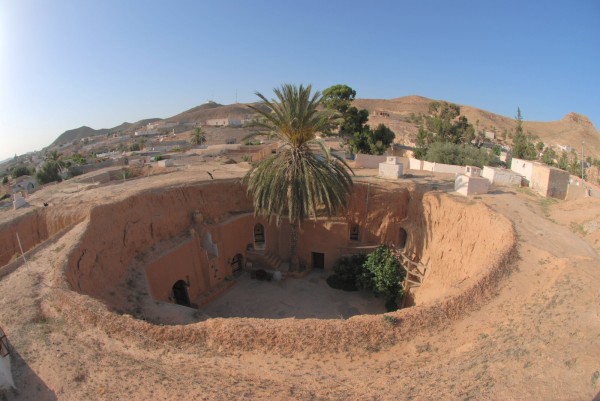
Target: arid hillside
(211, 110)
(569, 131)
(395, 113)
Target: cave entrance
(237, 263)
(180, 293)
(259, 236)
(402, 238)
(318, 260)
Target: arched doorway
(402, 238)
(180, 293)
(237, 263)
(354, 232)
(259, 236)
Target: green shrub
(19, 171)
(379, 272)
(346, 273)
(459, 155)
(383, 274)
(49, 172)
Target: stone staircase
(264, 260)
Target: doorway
(237, 263)
(180, 293)
(259, 236)
(318, 260)
(402, 238)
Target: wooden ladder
(415, 271)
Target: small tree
(78, 159)
(373, 142)
(563, 161)
(383, 274)
(574, 166)
(49, 172)
(548, 156)
(198, 137)
(522, 147)
(339, 98)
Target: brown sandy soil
(537, 338)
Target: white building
(224, 122)
(146, 133)
(501, 177)
(391, 168)
(471, 183)
(523, 167)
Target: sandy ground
(537, 339)
(308, 297)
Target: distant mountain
(211, 110)
(395, 113)
(85, 132)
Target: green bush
(383, 274)
(346, 273)
(460, 155)
(49, 172)
(379, 272)
(19, 171)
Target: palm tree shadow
(29, 384)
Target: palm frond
(297, 182)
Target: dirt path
(537, 339)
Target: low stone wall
(501, 177)
(368, 161)
(437, 167)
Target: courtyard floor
(308, 297)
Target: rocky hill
(85, 132)
(396, 113)
(570, 131)
(212, 110)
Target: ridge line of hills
(396, 113)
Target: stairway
(263, 260)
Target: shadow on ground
(29, 385)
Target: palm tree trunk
(293, 244)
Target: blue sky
(68, 63)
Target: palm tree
(54, 157)
(297, 182)
(198, 137)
